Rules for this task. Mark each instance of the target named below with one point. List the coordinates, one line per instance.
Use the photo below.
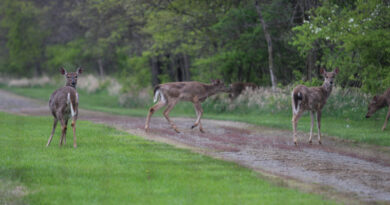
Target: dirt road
(337, 169)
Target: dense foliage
(148, 42)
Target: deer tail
(70, 102)
(296, 101)
(158, 94)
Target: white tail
(158, 95)
(296, 102)
(69, 102)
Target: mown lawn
(352, 128)
(112, 167)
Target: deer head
(219, 86)
(329, 76)
(71, 78)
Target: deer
(312, 99)
(169, 94)
(63, 105)
(238, 87)
(379, 102)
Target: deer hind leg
(166, 112)
(74, 131)
(295, 120)
(312, 125)
(52, 131)
(63, 131)
(153, 109)
(199, 113)
(387, 119)
(319, 126)
(66, 129)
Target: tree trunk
(100, 67)
(269, 45)
(186, 67)
(155, 79)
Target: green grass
(341, 123)
(112, 167)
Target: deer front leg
(52, 131)
(199, 113)
(166, 114)
(319, 125)
(387, 119)
(295, 119)
(312, 125)
(153, 109)
(74, 131)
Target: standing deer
(312, 99)
(171, 93)
(379, 102)
(63, 105)
(238, 87)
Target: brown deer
(238, 87)
(312, 99)
(63, 105)
(169, 94)
(378, 102)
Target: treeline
(146, 42)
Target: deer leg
(199, 113)
(66, 129)
(63, 130)
(52, 131)
(387, 119)
(294, 123)
(312, 125)
(319, 126)
(166, 114)
(74, 131)
(153, 109)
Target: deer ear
(322, 71)
(336, 70)
(79, 70)
(63, 71)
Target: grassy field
(345, 123)
(112, 167)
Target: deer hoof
(295, 143)
(193, 126)
(74, 146)
(201, 130)
(176, 130)
(310, 142)
(383, 128)
(319, 142)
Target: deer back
(64, 102)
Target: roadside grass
(112, 167)
(345, 123)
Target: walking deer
(312, 99)
(378, 102)
(63, 105)
(169, 94)
(238, 87)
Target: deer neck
(210, 90)
(326, 89)
(382, 101)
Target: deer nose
(367, 116)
